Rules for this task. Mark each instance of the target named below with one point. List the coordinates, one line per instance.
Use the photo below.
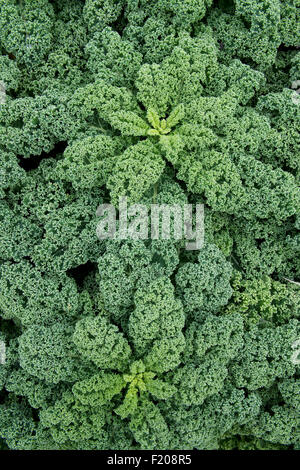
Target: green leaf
(136, 170)
(99, 389)
(160, 389)
(176, 116)
(153, 118)
(129, 404)
(152, 132)
(129, 123)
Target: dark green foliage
(267, 354)
(48, 353)
(204, 286)
(26, 29)
(102, 343)
(30, 297)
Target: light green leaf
(176, 116)
(153, 118)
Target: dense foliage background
(144, 345)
